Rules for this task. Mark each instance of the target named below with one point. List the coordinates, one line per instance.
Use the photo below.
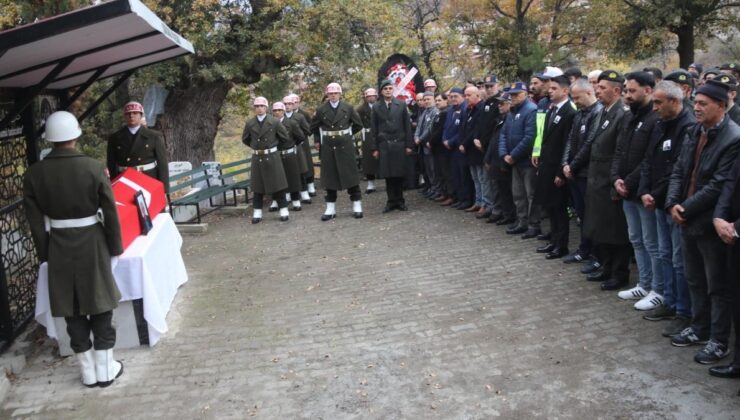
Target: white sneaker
(634, 293)
(651, 301)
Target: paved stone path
(415, 315)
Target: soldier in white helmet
(333, 125)
(300, 111)
(74, 223)
(266, 136)
(430, 86)
(369, 163)
(305, 160)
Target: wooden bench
(219, 185)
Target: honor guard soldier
(72, 213)
(430, 86)
(298, 110)
(290, 155)
(266, 136)
(369, 164)
(305, 160)
(333, 125)
(138, 147)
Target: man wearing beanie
(698, 176)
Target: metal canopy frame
(137, 38)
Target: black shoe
(272, 209)
(613, 284)
(284, 218)
(370, 191)
(505, 221)
(256, 220)
(456, 206)
(325, 217)
(402, 207)
(729, 371)
(294, 208)
(545, 249)
(531, 233)
(591, 267)
(573, 258)
(312, 194)
(660, 313)
(465, 206)
(388, 208)
(557, 253)
(493, 218)
(516, 230)
(357, 215)
(306, 201)
(544, 237)
(596, 276)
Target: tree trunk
(191, 120)
(685, 46)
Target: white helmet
(62, 126)
(333, 88)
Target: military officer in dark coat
(550, 191)
(136, 146)
(266, 136)
(305, 160)
(290, 155)
(392, 140)
(332, 126)
(369, 163)
(605, 223)
(74, 223)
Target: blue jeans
(482, 184)
(642, 229)
(675, 290)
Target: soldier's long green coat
(267, 173)
(338, 153)
(369, 163)
(147, 146)
(70, 185)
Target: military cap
(517, 87)
(680, 76)
(504, 97)
(715, 90)
(611, 76)
(490, 79)
(457, 90)
(643, 78)
(712, 70)
(729, 66)
(385, 83)
(698, 66)
(727, 79)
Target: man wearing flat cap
(707, 157)
(138, 147)
(604, 222)
(733, 110)
(391, 141)
(685, 81)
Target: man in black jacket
(698, 176)
(489, 120)
(504, 211)
(441, 161)
(550, 191)
(576, 158)
(665, 147)
(474, 149)
(727, 224)
(625, 176)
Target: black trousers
(259, 199)
(733, 268)
(504, 197)
(705, 267)
(461, 178)
(616, 261)
(577, 188)
(443, 173)
(80, 326)
(394, 191)
(354, 194)
(559, 223)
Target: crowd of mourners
(646, 163)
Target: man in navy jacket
(515, 148)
